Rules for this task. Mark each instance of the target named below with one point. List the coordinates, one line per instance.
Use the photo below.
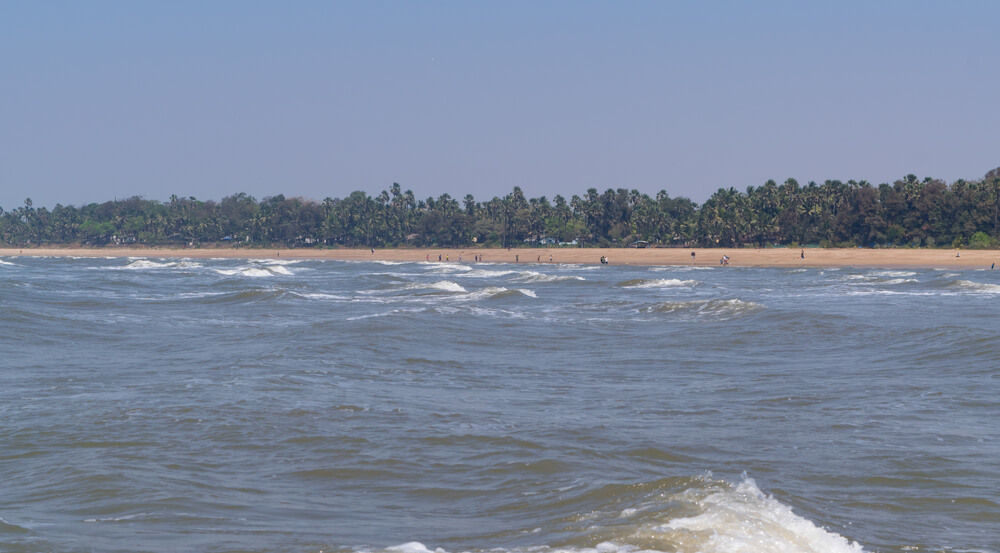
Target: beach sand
(738, 257)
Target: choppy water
(226, 405)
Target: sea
(221, 405)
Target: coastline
(707, 257)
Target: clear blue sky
(113, 99)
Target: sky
(111, 99)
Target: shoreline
(704, 257)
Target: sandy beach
(745, 257)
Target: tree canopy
(908, 212)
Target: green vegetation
(908, 212)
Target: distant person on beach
(539, 260)
(550, 258)
(439, 258)
(373, 250)
(692, 256)
(517, 258)
(802, 254)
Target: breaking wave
(719, 308)
(486, 273)
(741, 518)
(256, 272)
(532, 276)
(148, 264)
(447, 268)
(656, 283)
(442, 285)
(976, 287)
(881, 277)
(496, 293)
(708, 517)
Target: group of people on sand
(604, 260)
(478, 258)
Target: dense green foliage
(908, 212)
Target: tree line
(908, 212)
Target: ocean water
(230, 405)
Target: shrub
(980, 241)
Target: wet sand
(738, 257)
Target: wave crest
(532, 276)
(442, 285)
(741, 518)
(256, 272)
(710, 516)
(719, 308)
(657, 283)
(977, 287)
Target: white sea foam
(278, 270)
(284, 261)
(496, 292)
(977, 287)
(2, 262)
(658, 283)
(893, 274)
(719, 309)
(450, 268)
(144, 264)
(447, 286)
(725, 519)
(742, 519)
(881, 278)
(256, 272)
(898, 281)
(877, 292)
(532, 276)
(444, 285)
(139, 263)
(486, 273)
